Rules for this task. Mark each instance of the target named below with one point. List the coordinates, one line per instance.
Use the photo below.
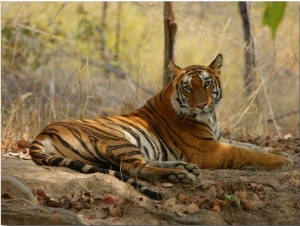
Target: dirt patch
(278, 194)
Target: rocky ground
(34, 194)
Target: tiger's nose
(201, 105)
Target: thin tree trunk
(249, 73)
(118, 32)
(170, 33)
(103, 39)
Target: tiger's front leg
(173, 171)
(218, 155)
(255, 147)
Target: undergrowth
(69, 60)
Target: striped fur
(173, 135)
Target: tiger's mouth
(203, 108)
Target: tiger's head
(196, 89)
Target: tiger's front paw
(279, 163)
(181, 176)
(286, 163)
(274, 151)
(190, 167)
(280, 159)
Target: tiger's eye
(207, 84)
(187, 88)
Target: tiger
(170, 138)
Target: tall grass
(53, 66)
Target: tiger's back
(169, 138)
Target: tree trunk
(249, 73)
(102, 30)
(170, 33)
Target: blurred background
(93, 59)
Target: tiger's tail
(41, 158)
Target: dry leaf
(201, 202)
(170, 202)
(41, 196)
(211, 194)
(242, 195)
(251, 205)
(219, 191)
(220, 182)
(206, 184)
(216, 207)
(178, 209)
(193, 199)
(107, 202)
(182, 198)
(192, 208)
(223, 202)
(167, 185)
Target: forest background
(93, 59)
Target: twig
(59, 10)
(284, 115)
(270, 185)
(269, 120)
(171, 217)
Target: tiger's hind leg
(85, 168)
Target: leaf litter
(217, 195)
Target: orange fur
(173, 135)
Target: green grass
(52, 63)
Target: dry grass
(52, 63)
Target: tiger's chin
(204, 117)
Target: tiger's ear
(173, 69)
(217, 63)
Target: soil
(270, 197)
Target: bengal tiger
(170, 138)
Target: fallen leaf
(287, 136)
(206, 184)
(179, 210)
(170, 202)
(216, 207)
(223, 203)
(107, 201)
(193, 199)
(201, 202)
(220, 182)
(192, 208)
(251, 205)
(219, 191)
(182, 198)
(242, 195)
(212, 193)
(297, 205)
(41, 196)
(234, 199)
(167, 185)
